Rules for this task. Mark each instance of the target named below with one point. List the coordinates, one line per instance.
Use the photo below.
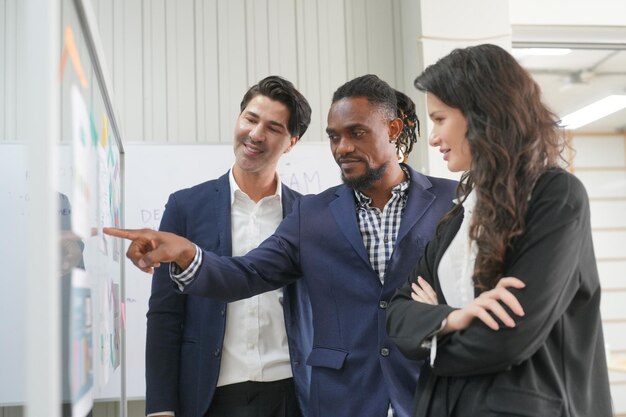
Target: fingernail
(142, 264)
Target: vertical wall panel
(132, 93)
(185, 70)
(399, 47)
(257, 40)
(232, 62)
(3, 63)
(307, 24)
(118, 63)
(381, 51)
(104, 11)
(208, 72)
(156, 103)
(283, 53)
(148, 65)
(332, 55)
(171, 80)
(357, 34)
(10, 71)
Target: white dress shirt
(457, 267)
(457, 263)
(255, 342)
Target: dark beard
(366, 180)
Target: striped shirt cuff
(186, 277)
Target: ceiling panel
(570, 82)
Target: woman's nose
(433, 138)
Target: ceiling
(594, 68)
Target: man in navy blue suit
(353, 245)
(206, 357)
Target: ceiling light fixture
(594, 111)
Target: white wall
(599, 160)
(568, 12)
(181, 68)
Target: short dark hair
(283, 91)
(375, 90)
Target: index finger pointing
(123, 233)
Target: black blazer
(553, 362)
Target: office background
(176, 72)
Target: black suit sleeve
(546, 258)
(403, 327)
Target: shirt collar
(234, 187)
(363, 201)
(469, 203)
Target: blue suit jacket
(185, 333)
(356, 370)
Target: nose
(343, 146)
(256, 133)
(433, 138)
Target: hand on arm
(486, 305)
(149, 248)
(423, 292)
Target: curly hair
(411, 130)
(513, 138)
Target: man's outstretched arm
(149, 248)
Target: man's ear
(395, 128)
(292, 142)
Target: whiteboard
(102, 266)
(153, 172)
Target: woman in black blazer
(506, 299)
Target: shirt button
(384, 352)
(217, 352)
(386, 239)
(382, 304)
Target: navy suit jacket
(185, 333)
(356, 369)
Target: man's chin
(365, 180)
(357, 183)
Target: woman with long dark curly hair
(505, 302)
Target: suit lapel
(288, 198)
(221, 212)
(417, 204)
(344, 212)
